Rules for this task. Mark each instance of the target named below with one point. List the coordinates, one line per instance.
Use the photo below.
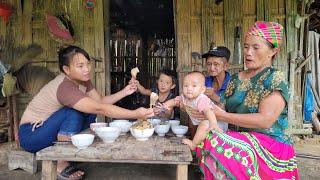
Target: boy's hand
(143, 113)
(133, 81)
(160, 109)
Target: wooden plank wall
(202, 23)
(217, 26)
(27, 25)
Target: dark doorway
(141, 35)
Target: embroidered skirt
(235, 155)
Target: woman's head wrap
(270, 31)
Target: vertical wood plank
(273, 13)
(291, 36)
(106, 14)
(218, 24)
(195, 34)
(49, 170)
(182, 172)
(99, 46)
(18, 22)
(291, 112)
(232, 20)
(260, 10)
(249, 16)
(27, 22)
(206, 23)
(195, 10)
(183, 34)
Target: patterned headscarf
(270, 31)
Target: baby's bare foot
(188, 142)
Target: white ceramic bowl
(174, 122)
(142, 135)
(94, 126)
(179, 130)
(108, 134)
(82, 141)
(162, 129)
(154, 122)
(123, 125)
(120, 120)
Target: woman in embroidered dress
(255, 100)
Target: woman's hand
(143, 113)
(218, 111)
(131, 87)
(198, 115)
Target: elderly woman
(256, 101)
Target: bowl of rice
(142, 130)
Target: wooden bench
(20, 159)
(126, 149)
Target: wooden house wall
(28, 25)
(202, 23)
(198, 24)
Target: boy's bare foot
(188, 142)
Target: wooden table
(126, 149)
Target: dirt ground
(307, 148)
(308, 153)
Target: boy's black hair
(170, 73)
(67, 53)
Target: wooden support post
(15, 119)
(182, 172)
(291, 113)
(23, 160)
(49, 170)
(10, 120)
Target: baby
(193, 97)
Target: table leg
(182, 172)
(49, 170)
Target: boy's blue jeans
(66, 121)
